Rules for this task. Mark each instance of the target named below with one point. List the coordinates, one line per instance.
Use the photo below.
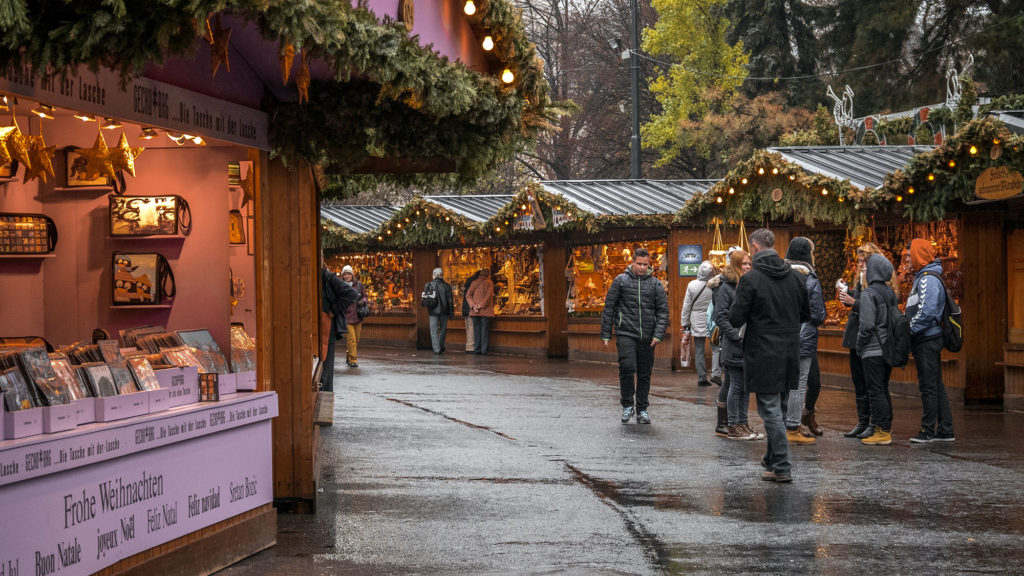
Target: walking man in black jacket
(772, 301)
(637, 306)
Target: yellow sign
(998, 183)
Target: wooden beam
(423, 263)
(555, 286)
(982, 262)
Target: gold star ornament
(5, 156)
(16, 144)
(248, 187)
(123, 157)
(42, 160)
(219, 38)
(97, 159)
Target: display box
(23, 423)
(245, 381)
(183, 384)
(159, 400)
(227, 383)
(85, 410)
(121, 406)
(59, 418)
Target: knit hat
(348, 269)
(800, 250)
(921, 253)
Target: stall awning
(357, 219)
(864, 166)
(476, 208)
(625, 197)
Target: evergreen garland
(504, 219)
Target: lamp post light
(634, 88)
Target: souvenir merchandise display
(515, 271)
(205, 349)
(209, 387)
(142, 370)
(387, 277)
(182, 357)
(43, 383)
(893, 241)
(592, 268)
(99, 378)
(149, 215)
(15, 389)
(78, 172)
(27, 234)
(130, 337)
(123, 378)
(243, 350)
(67, 374)
(141, 279)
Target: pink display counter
(86, 498)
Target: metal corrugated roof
(478, 208)
(1014, 119)
(622, 197)
(863, 166)
(355, 218)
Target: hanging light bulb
(469, 8)
(760, 171)
(910, 190)
(952, 163)
(775, 170)
(931, 177)
(44, 111)
(488, 43)
(973, 150)
(718, 200)
(899, 198)
(507, 76)
(84, 117)
(3, 104)
(198, 140)
(824, 191)
(147, 133)
(732, 190)
(110, 124)
(743, 181)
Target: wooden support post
(982, 262)
(288, 306)
(555, 286)
(423, 263)
(677, 284)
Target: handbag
(685, 349)
(149, 215)
(362, 310)
(141, 279)
(27, 234)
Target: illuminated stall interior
(515, 271)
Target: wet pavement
(461, 464)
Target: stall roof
(357, 219)
(621, 197)
(863, 166)
(1014, 119)
(477, 208)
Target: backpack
(896, 351)
(951, 321)
(428, 299)
(714, 332)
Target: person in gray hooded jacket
(695, 318)
(872, 337)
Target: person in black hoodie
(851, 296)
(772, 301)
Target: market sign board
(524, 222)
(998, 183)
(144, 101)
(560, 218)
(690, 257)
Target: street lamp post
(634, 65)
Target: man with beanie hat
(925, 306)
(800, 257)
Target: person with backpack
(873, 340)
(694, 319)
(466, 310)
(800, 257)
(925, 307)
(437, 299)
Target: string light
(44, 111)
(743, 181)
(952, 163)
(910, 190)
(718, 199)
(760, 171)
(931, 177)
(824, 191)
(732, 190)
(84, 117)
(469, 8)
(973, 150)
(792, 176)
(507, 76)
(899, 198)
(488, 43)
(147, 133)
(775, 171)
(110, 124)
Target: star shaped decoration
(42, 160)
(16, 143)
(219, 38)
(248, 187)
(123, 157)
(302, 80)
(97, 159)
(287, 57)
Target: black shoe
(923, 437)
(703, 383)
(469, 352)
(352, 364)
(857, 430)
(716, 380)
(771, 476)
(868, 432)
(943, 438)
(443, 350)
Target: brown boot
(808, 420)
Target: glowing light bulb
(469, 8)
(488, 43)
(507, 76)
(973, 150)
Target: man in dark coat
(335, 297)
(772, 301)
(443, 309)
(637, 306)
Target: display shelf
(175, 238)
(47, 255)
(141, 307)
(84, 188)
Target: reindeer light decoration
(842, 111)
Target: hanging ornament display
(286, 57)
(718, 251)
(219, 38)
(16, 143)
(123, 157)
(97, 159)
(302, 79)
(42, 160)
(743, 242)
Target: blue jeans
(772, 408)
(738, 401)
(700, 358)
(795, 410)
(438, 332)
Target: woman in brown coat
(481, 309)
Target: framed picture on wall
(236, 227)
(9, 170)
(78, 174)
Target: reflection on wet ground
(453, 464)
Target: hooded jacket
(874, 302)
(695, 303)
(724, 286)
(772, 301)
(809, 330)
(636, 306)
(926, 303)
